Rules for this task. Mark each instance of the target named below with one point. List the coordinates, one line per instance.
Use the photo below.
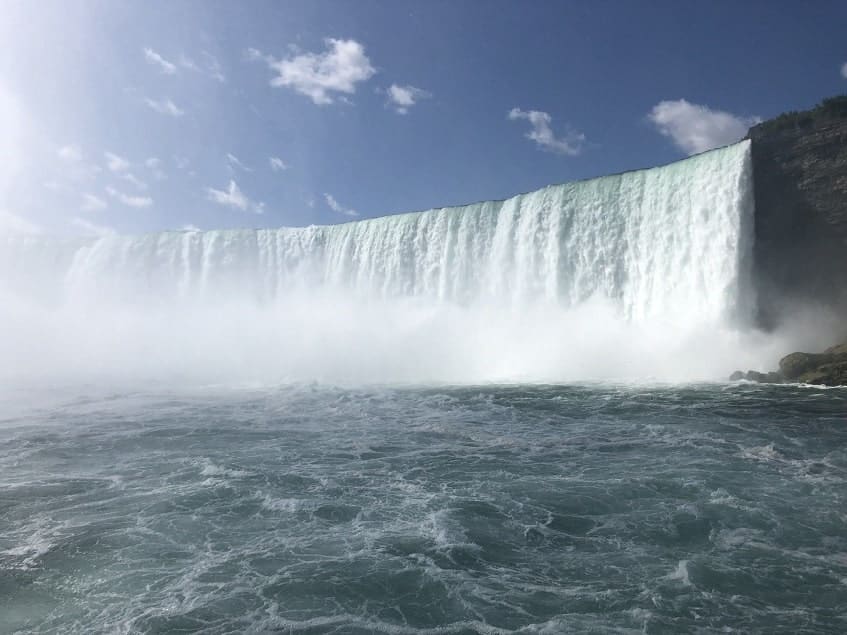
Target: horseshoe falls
(641, 275)
(480, 419)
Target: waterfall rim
(458, 208)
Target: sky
(133, 117)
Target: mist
(342, 340)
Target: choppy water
(493, 509)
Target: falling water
(663, 250)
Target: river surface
(488, 509)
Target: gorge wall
(800, 189)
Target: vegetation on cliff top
(830, 108)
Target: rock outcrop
(800, 189)
(827, 369)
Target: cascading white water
(666, 247)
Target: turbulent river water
(488, 509)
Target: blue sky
(139, 116)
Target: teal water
(493, 509)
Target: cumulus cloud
(335, 206)
(189, 227)
(165, 107)
(277, 164)
(131, 201)
(164, 65)
(116, 163)
(844, 70)
(542, 132)
(318, 75)
(91, 203)
(13, 224)
(404, 97)
(90, 228)
(235, 198)
(694, 128)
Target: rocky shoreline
(826, 369)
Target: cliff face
(800, 181)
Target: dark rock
(795, 364)
(838, 349)
(800, 190)
(753, 375)
(773, 377)
(828, 368)
(832, 374)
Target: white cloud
(254, 55)
(116, 163)
(91, 203)
(404, 97)
(165, 107)
(844, 70)
(13, 224)
(235, 198)
(188, 227)
(70, 153)
(141, 185)
(188, 63)
(317, 75)
(212, 67)
(157, 60)
(335, 206)
(92, 228)
(131, 201)
(234, 162)
(542, 132)
(695, 128)
(277, 164)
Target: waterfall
(668, 246)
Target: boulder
(828, 368)
(773, 377)
(831, 374)
(795, 364)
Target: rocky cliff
(800, 181)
